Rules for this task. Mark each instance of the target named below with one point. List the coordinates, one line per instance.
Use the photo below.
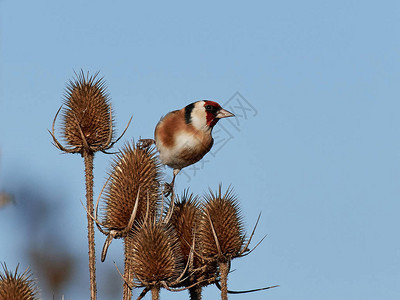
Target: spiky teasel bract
(221, 230)
(87, 116)
(17, 286)
(136, 172)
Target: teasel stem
(195, 292)
(128, 272)
(155, 293)
(223, 271)
(88, 157)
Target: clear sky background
(317, 148)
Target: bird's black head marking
(188, 113)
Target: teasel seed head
(17, 286)
(136, 173)
(154, 254)
(184, 220)
(87, 117)
(221, 231)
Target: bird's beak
(223, 113)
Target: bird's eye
(208, 107)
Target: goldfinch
(184, 136)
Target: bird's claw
(144, 143)
(167, 189)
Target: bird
(182, 137)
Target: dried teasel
(87, 127)
(87, 123)
(17, 286)
(221, 229)
(222, 237)
(132, 192)
(185, 218)
(221, 232)
(155, 257)
(87, 112)
(132, 169)
(155, 253)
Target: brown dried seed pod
(87, 111)
(221, 231)
(132, 169)
(154, 254)
(17, 286)
(184, 220)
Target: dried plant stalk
(155, 293)
(223, 271)
(195, 292)
(128, 274)
(88, 159)
(17, 286)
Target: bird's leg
(169, 187)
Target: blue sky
(318, 152)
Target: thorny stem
(155, 293)
(88, 158)
(223, 271)
(127, 273)
(143, 293)
(195, 293)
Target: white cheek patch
(199, 117)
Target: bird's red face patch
(212, 103)
(212, 109)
